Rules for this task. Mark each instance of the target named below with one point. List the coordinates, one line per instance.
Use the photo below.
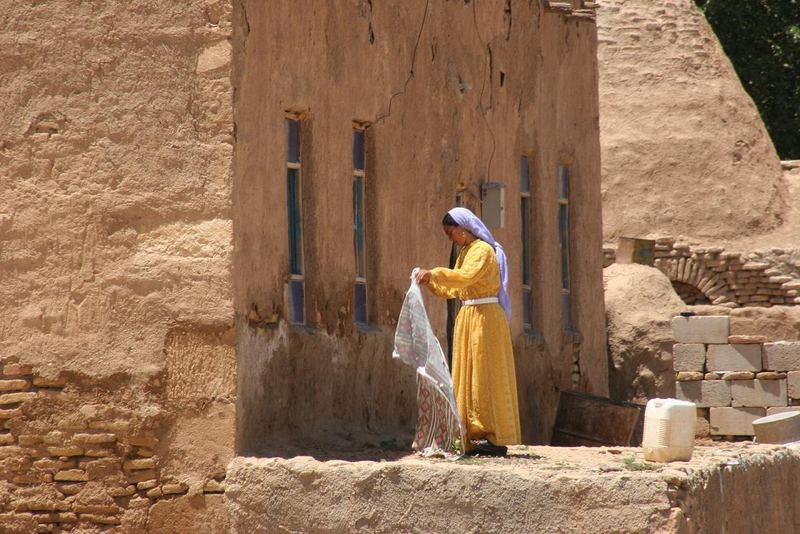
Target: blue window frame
(294, 202)
(564, 244)
(525, 232)
(359, 241)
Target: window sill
(368, 329)
(572, 336)
(532, 335)
(303, 328)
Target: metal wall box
(493, 197)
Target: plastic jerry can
(669, 430)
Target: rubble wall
(115, 249)
(451, 95)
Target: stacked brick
(714, 276)
(733, 380)
(572, 8)
(75, 472)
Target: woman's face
(457, 235)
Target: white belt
(484, 300)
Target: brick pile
(76, 472)
(716, 276)
(733, 380)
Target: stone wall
(117, 390)
(714, 275)
(735, 379)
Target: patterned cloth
(437, 425)
(439, 428)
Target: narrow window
(563, 238)
(294, 203)
(525, 232)
(359, 176)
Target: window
(359, 176)
(294, 197)
(563, 239)
(525, 232)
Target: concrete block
(705, 393)
(793, 384)
(778, 428)
(696, 329)
(782, 356)
(688, 356)
(757, 393)
(734, 421)
(782, 409)
(733, 358)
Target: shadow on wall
(340, 395)
(689, 294)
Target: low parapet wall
(536, 489)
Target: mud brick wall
(713, 275)
(733, 379)
(116, 140)
(68, 462)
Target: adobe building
(687, 161)
(180, 277)
(685, 151)
(411, 105)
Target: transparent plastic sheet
(439, 429)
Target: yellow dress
(483, 359)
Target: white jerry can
(669, 430)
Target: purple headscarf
(466, 219)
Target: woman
(483, 360)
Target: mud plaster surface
(543, 489)
(684, 149)
(640, 305)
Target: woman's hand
(423, 277)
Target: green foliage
(762, 39)
(559, 466)
(631, 464)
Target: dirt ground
(546, 459)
